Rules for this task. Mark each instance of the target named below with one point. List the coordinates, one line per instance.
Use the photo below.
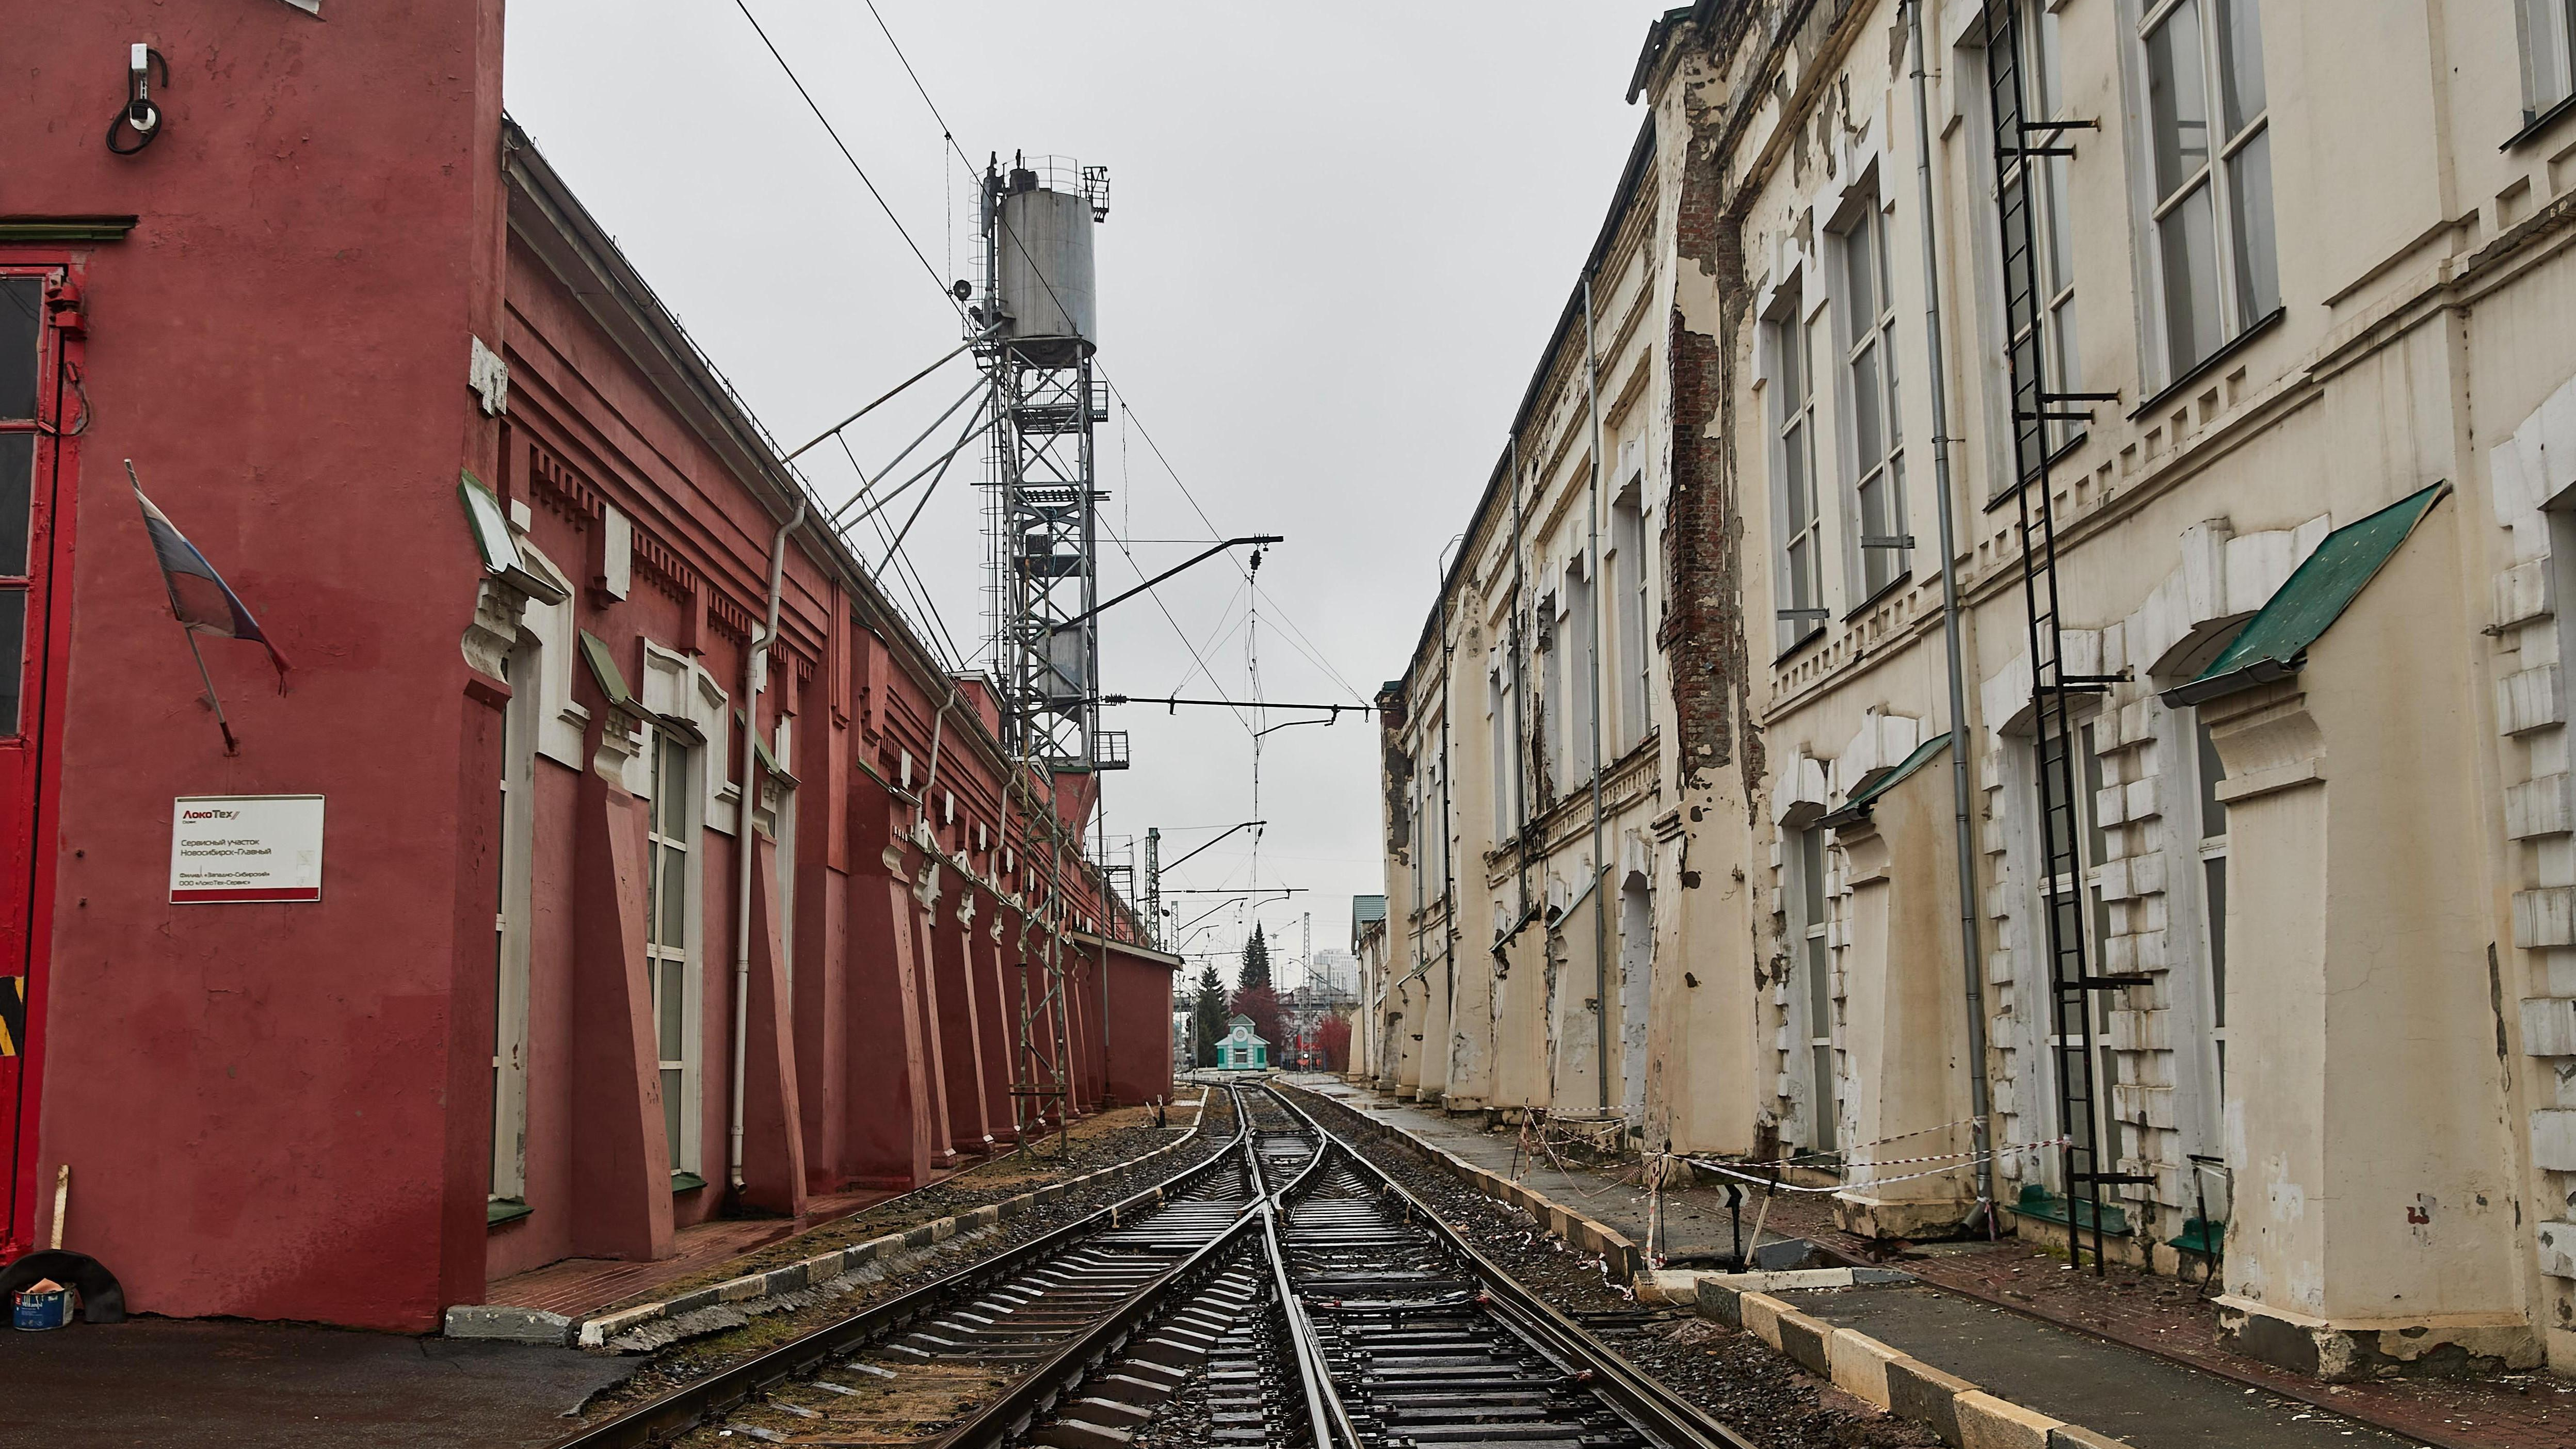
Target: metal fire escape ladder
(2020, 142)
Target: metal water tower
(1040, 303)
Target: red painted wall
(285, 1111)
(1140, 1029)
(251, 1097)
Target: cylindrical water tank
(1045, 273)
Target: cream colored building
(2281, 291)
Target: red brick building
(586, 966)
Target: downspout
(755, 670)
(1961, 789)
(1521, 738)
(1448, 861)
(1592, 669)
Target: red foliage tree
(1333, 1039)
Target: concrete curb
(1621, 1256)
(1903, 1385)
(528, 1325)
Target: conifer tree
(1207, 1012)
(1256, 961)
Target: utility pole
(1153, 892)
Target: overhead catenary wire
(828, 129)
(1126, 406)
(896, 560)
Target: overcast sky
(1340, 233)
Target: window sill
(2209, 364)
(686, 1182)
(2064, 451)
(499, 1210)
(1803, 640)
(1903, 577)
(2542, 122)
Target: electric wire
(1304, 645)
(1183, 634)
(922, 607)
(1127, 409)
(828, 129)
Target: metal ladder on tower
(2019, 144)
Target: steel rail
(721, 1393)
(1654, 1409)
(1324, 1406)
(1048, 1381)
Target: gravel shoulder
(1733, 1376)
(1105, 1140)
(772, 1324)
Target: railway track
(1286, 1293)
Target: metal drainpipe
(1520, 737)
(1448, 865)
(755, 671)
(1962, 796)
(1592, 669)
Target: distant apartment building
(2200, 884)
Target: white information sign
(246, 848)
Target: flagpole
(214, 701)
(231, 746)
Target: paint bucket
(37, 1312)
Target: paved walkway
(157, 1382)
(2126, 1354)
(578, 1286)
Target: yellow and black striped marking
(13, 1014)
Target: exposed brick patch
(1703, 629)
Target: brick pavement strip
(2139, 1311)
(603, 1330)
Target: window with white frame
(1628, 572)
(1869, 379)
(2033, 190)
(1498, 714)
(2211, 242)
(1583, 674)
(1547, 740)
(2548, 29)
(1421, 843)
(2076, 903)
(1435, 823)
(513, 905)
(668, 891)
(1801, 543)
(1814, 991)
(781, 791)
(2211, 830)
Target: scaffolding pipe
(1961, 788)
(1592, 673)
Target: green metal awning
(1856, 809)
(2274, 643)
(604, 670)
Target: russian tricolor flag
(204, 603)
